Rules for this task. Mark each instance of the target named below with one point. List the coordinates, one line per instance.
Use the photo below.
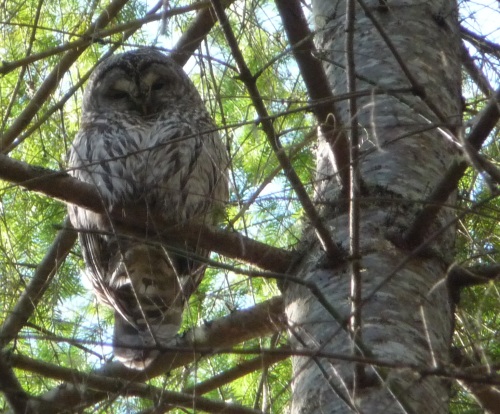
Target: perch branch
(65, 188)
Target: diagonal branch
(475, 73)
(226, 377)
(448, 184)
(38, 285)
(480, 42)
(333, 252)
(317, 85)
(11, 388)
(195, 33)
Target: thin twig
(86, 40)
(56, 75)
(20, 78)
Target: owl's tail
(150, 289)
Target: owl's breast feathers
(175, 166)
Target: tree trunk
(405, 147)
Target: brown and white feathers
(145, 139)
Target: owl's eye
(117, 94)
(159, 84)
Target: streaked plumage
(145, 139)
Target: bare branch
(475, 73)
(195, 33)
(11, 388)
(480, 42)
(460, 277)
(86, 389)
(238, 371)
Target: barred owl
(145, 139)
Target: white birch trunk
(408, 320)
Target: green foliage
(69, 329)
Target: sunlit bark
(406, 128)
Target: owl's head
(143, 82)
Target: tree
(371, 244)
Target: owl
(147, 140)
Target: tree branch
(333, 252)
(9, 385)
(55, 76)
(317, 85)
(486, 121)
(120, 387)
(480, 42)
(475, 73)
(460, 277)
(65, 188)
(86, 389)
(238, 371)
(195, 33)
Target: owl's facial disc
(118, 92)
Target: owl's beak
(144, 105)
